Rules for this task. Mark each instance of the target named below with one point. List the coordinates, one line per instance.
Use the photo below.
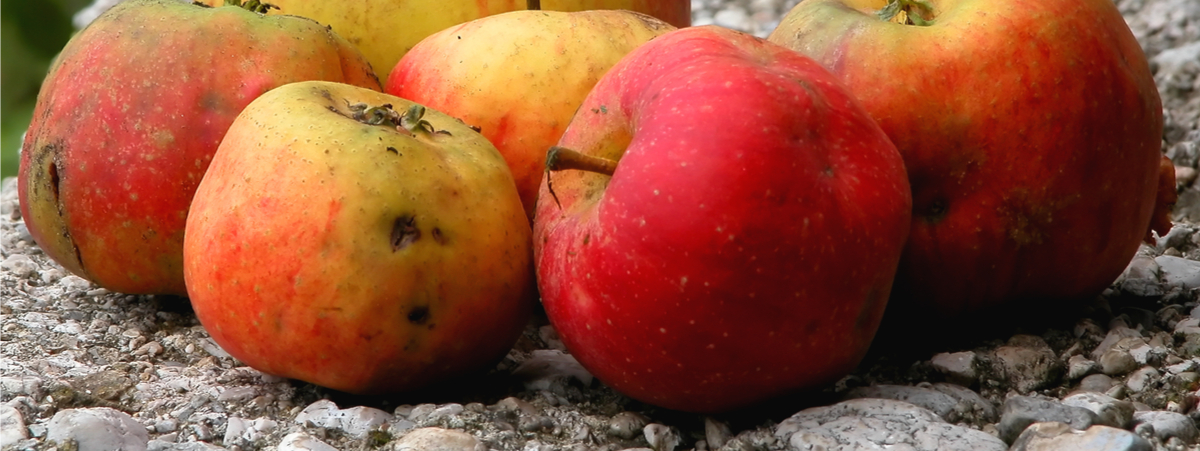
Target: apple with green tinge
(520, 76)
(719, 225)
(128, 119)
(358, 241)
(1031, 130)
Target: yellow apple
(384, 30)
(520, 76)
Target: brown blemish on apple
(438, 236)
(419, 315)
(393, 150)
(404, 232)
(50, 157)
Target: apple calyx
(411, 121)
(564, 159)
(254, 6)
(907, 12)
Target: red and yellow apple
(1031, 132)
(520, 76)
(721, 224)
(129, 117)
(357, 241)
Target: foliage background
(31, 33)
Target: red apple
(129, 117)
(746, 241)
(1031, 132)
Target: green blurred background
(31, 33)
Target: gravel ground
(83, 368)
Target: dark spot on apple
(828, 171)
(419, 315)
(586, 239)
(325, 93)
(404, 232)
(932, 212)
(438, 236)
(393, 150)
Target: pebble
(1142, 379)
(1115, 334)
(438, 439)
(1079, 366)
(163, 445)
(626, 424)
(1117, 362)
(300, 441)
(240, 431)
(1109, 411)
(959, 367)
(716, 433)
(98, 429)
(12, 426)
(1098, 383)
(661, 437)
(1055, 436)
(970, 404)
(20, 265)
(1178, 272)
(1021, 411)
(551, 369)
(356, 421)
(21, 385)
(443, 411)
(1168, 424)
(1141, 277)
(878, 423)
(1028, 363)
(937, 402)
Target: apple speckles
(419, 315)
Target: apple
(358, 241)
(520, 76)
(129, 117)
(384, 30)
(1031, 133)
(720, 225)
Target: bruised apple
(520, 76)
(721, 224)
(358, 241)
(129, 117)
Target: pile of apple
(709, 219)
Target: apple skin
(1031, 134)
(746, 243)
(299, 263)
(520, 76)
(384, 30)
(129, 116)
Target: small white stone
(12, 426)
(438, 439)
(300, 441)
(98, 428)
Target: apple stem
(255, 6)
(533, 5)
(564, 159)
(908, 12)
